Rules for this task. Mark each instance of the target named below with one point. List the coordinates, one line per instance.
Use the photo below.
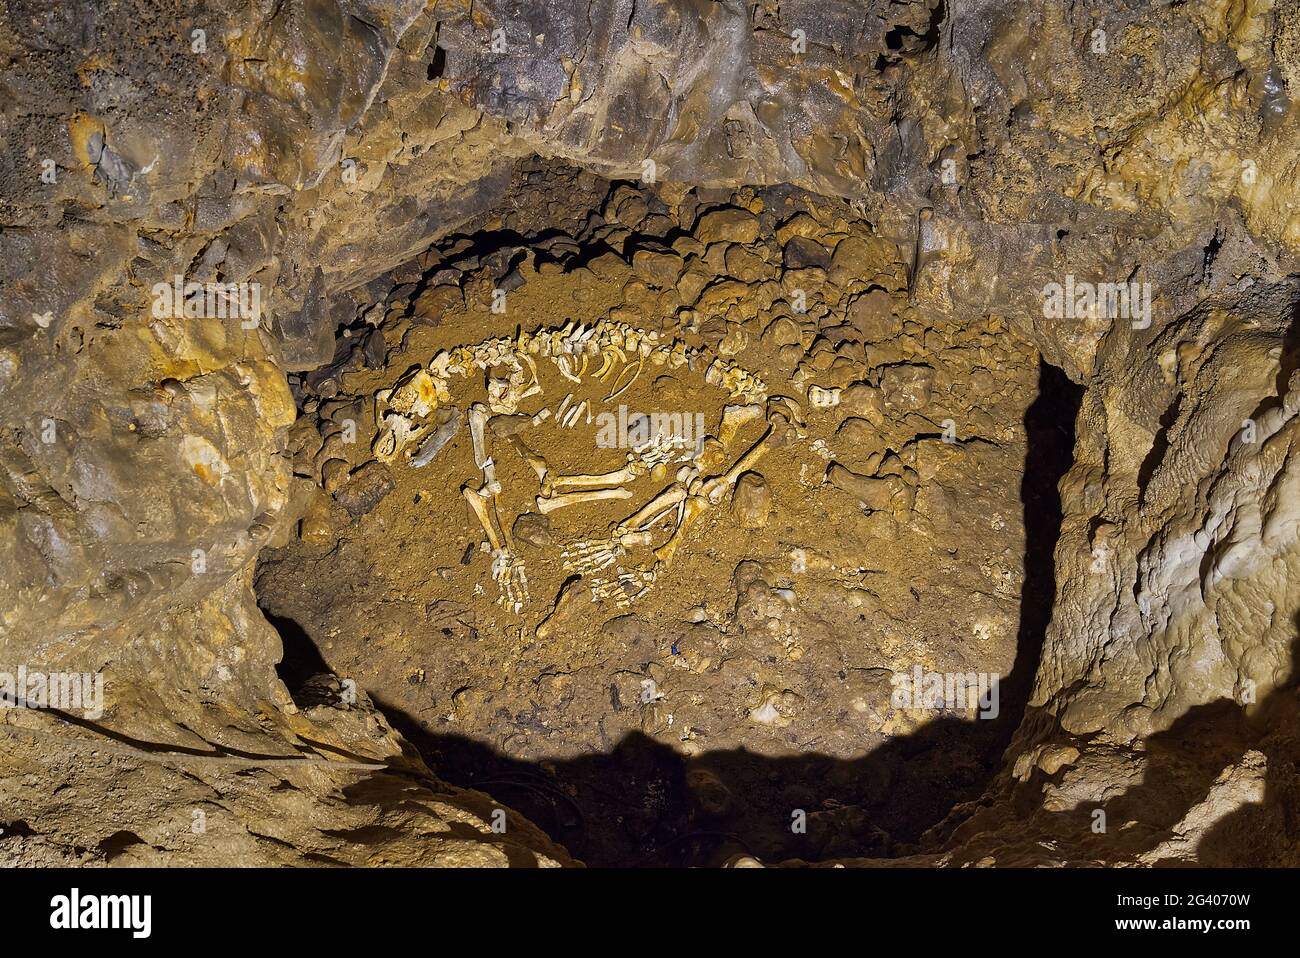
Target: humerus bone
(478, 417)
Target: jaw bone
(396, 432)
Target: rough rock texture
(1152, 143)
(769, 642)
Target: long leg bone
(551, 503)
(616, 478)
(691, 510)
(478, 417)
(652, 510)
(491, 488)
(710, 493)
(507, 568)
(715, 487)
(479, 504)
(535, 462)
(734, 418)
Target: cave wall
(312, 146)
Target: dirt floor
(752, 681)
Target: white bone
(491, 487)
(536, 462)
(479, 505)
(714, 488)
(574, 414)
(583, 481)
(666, 499)
(478, 417)
(824, 398)
(619, 390)
(551, 503)
(734, 419)
(562, 364)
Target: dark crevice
(301, 668)
(1159, 446)
(437, 64)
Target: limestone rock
(149, 457)
(727, 226)
(751, 501)
(364, 489)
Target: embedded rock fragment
(751, 501)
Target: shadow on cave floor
(645, 804)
